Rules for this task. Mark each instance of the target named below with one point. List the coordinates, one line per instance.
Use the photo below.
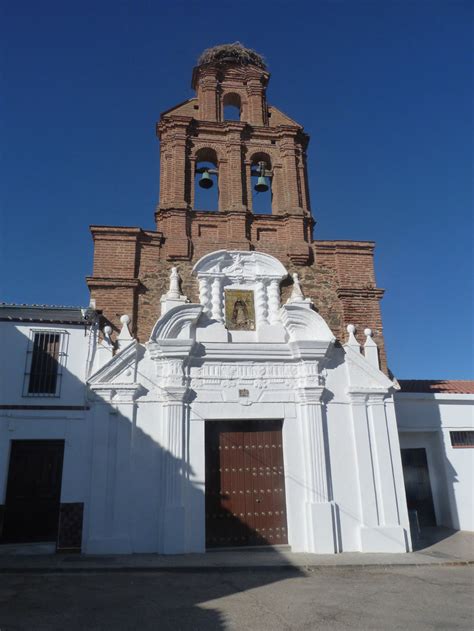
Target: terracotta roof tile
(436, 386)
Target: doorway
(418, 486)
(245, 484)
(33, 491)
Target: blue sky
(383, 88)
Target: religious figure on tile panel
(239, 310)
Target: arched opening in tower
(231, 107)
(261, 182)
(206, 181)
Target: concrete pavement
(449, 548)
(334, 598)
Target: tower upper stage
(197, 131)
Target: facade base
(112, 545)
(174, 524)
(384, 539)
(321, 526)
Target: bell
(206, 180)
(261, 186)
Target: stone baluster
(205, 295)
(261, 303)
(273, 300)
(216, 308)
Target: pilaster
(320, 510)
(174, 409)
(381, 529)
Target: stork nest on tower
(232, 53)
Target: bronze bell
(206, 180)
(261, 186)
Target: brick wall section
(131, 275)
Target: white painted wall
(36, 423)
(425, 420)
(14, 338)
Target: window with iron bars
(461, 440)
(45, 359)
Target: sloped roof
(46, 313)
(437, 386)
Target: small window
(44, 362)
(460, 440)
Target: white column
(320, 510)
(217, 299)
(173, 474)
(273, 300)
(205, 294)
(261, 303)
(174, 411)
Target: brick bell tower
(264, 141)
(198, 142)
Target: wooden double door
(245, 484)
(33, 491)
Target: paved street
(431, 597)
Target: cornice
(98, 281)
(117, 392)
(360, 292)
(228, 70)
(112, 232)
(341, 246)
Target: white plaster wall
(130, 464)
(425, 421)
(146, 496)
(14, 344)
(343, 471)
(72, 427)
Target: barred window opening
(45, 357)
(461, 440)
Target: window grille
(461, 440)
(46, 355)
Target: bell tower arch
(235, 76)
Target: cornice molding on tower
(222, 71)
(339, 246)
(360, 293)
(97, 281)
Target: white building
(44, 422)
(302, 432)
(435, 423)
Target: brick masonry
(131, 266)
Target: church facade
(235, 379)
(273, 425)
